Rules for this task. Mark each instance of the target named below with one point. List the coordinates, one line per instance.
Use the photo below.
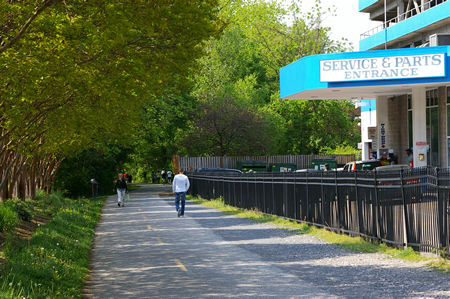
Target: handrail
(406, 15)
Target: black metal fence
(409, 207)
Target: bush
(50, 203)
(22, 208)
(40, 195)
(8, 218)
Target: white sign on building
(383, 68)
(372, 136)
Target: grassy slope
(54, 263)
(356, 244)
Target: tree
(228, 127)
(76, 72)
(154, 142)
(311, 126)
(244, 63)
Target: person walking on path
(169, 176)
(163, 176)
(180, 186)
(121, 187)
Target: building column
(419, 119)
(382, 124)
(368, 119)
(365, 155)
(400, 10)
(443, 144)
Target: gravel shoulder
(337, 271)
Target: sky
(348, 22)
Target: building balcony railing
(417, 9)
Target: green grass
(8, 218)
(356, 244)
(54, 263)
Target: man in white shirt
(180, 186)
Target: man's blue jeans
(180, 196)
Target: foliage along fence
(302, 161)
(410, 207)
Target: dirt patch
(26, 229)
(41, 220)
(166, 194)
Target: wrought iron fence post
(256, 193)
(213, 184)
(322, 199)
(405, 222)
(357, 202)
(307, 197)
(222, 190)
(285, 196)
(241, 201)
(273, 195)
(295, 196)
(377, 210)
(234, 191)
(336, 197)
(264, 193)
(442, 213)
(229, 191)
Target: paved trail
(145, 251)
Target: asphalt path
(144, 251)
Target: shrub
(22, 208)
(8, 218)
(40, 195)
(50, 203)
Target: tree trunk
(4, 192)
(21, 186)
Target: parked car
(218, 170)
(395, 167)
(307, 170)
(362, 165)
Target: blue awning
(366, 74)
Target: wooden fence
(302, 161)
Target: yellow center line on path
(139, 210)
(149, 227)
(180, 265)
(160, 242)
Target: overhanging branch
(37, 12)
